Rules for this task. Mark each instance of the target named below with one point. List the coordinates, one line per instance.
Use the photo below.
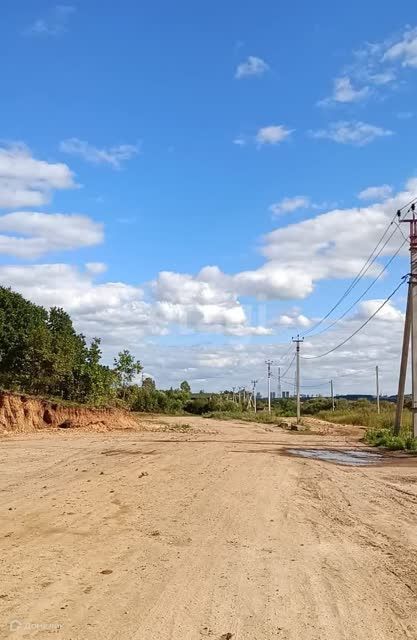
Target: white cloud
(40, 233)
(293, 319)
(273, 134)
(240, 141)
(253, 66)
(96, 267)
(211, 285)
(54, 23)
(288, 205)
(222, 366)
(114, 156)
(375, 68)
(28, 182)
(117, 311)
(405, 50)
(344, 92)
(388, 313)
(355, 133)
(376, 193)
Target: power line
(289, 366)
(361, 327)
(362, 294)
(370, 260)
(306, 386)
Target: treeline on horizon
(42, 354)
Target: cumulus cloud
(253, 66)
(32, 234)
(222, 366)
(376, 193)
(114, 156)
(271, 281)
(116, 310)
(288, 205)
(26, 181)
(388, 312)
(293, 319)
(354, 133)
(273, 134)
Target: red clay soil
(25, 414)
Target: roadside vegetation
(42, 354)
(385, 438)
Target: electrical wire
(370, 260)
(286, 353)
(363, 294)
(307, 386)
(289, 366)
(361, 327)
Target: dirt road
(212, 533)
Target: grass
(366, 417)
(379, 426)
(385, 438)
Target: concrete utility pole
(332, 393)
(279, 383)
(403, 367)
(268, 364)
(413, 305)
(378, 408)
(298, 340)
(254, 383)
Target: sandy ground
(213, 533)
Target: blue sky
(180, 136)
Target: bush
(385, 438)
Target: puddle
(346, 457)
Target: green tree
(149, 383)
(184, 386)
(126, 367)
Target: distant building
(285, 394)
(273, 395)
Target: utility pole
(378, 408)
(413, 305)
(298, 340)
(234, 395)
(403, 366)
(268, 364)
(332, 393)
(254, 383)
(279, 383)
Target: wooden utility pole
(268, 364)
(413, 305)
(298, 340)
(254, 383)
(403, 366)
(332, 393)
(378, 408)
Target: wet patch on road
(349, 457)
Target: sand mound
(23, 414)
